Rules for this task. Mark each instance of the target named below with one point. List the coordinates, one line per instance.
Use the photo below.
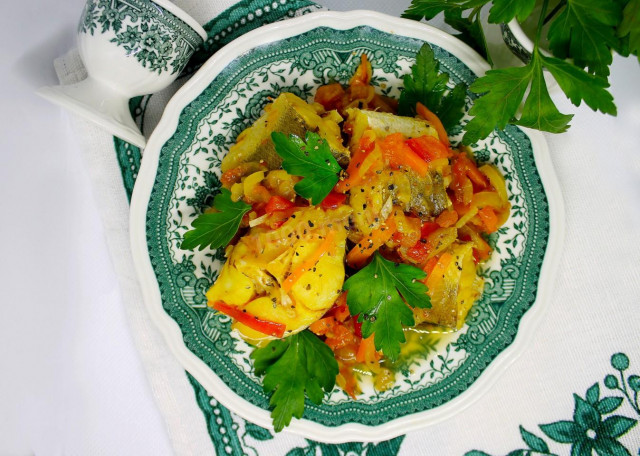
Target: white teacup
(129, 49)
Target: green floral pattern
(594, 427)
(158, 40)
(210, 124)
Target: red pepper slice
(278, 203)
(270, 328)
(333, 200)
(357, 326)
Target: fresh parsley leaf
(429, 9)
(579, 85)
(216, 229)
(312, 160)
(630, 26)
(503, 91)
(504, 11)
(585, 31)
(383, 293)
(471, 31)
(427, 85)
(539, 112)
(469, 26)
(292, 366)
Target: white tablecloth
(72, 382)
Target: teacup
(129, 48)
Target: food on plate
(346, 224)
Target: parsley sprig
(427, 85)
(383, 293)
(216, 229)
(581, 31)
(299, 364)
(311, 159)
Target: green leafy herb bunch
(582, 36)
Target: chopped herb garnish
(216, 229)
(299, 364)
(310, 159)
(427, 85)
(383, 293)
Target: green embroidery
(593, 427)
(157, 40)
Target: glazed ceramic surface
(129, 48)
(136, 45)
(180, 174)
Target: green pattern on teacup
(156, 38)
(232, 23)
(210, 124)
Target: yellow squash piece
(453, 288)
(257, 268)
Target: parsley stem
(475, 12)
(543, 12)
(553, 12)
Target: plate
(180, 172)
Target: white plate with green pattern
(180, 173)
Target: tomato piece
(357, 326)
(333, 200)
(278, 203)
(429, 148)
(330, 96)
(419, 252)
(464, 166)
(427, 229)
(270, 328)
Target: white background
(71, 381)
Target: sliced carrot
(362, 76)
(435, 122)
(399, 155)
(359, 254)
(437, 273)
(431, 263)
(322, 326)
(447, 218)
(355, 176)
(325, 246)
(489, 219)
(366, 350)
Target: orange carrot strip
(366, 350)
(310, 262)
(322, 326)
(398, 154)
(447, 218)
(362, 76)
(368, 245)
(489, 219)
(430, 117)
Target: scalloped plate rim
(170, 329)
